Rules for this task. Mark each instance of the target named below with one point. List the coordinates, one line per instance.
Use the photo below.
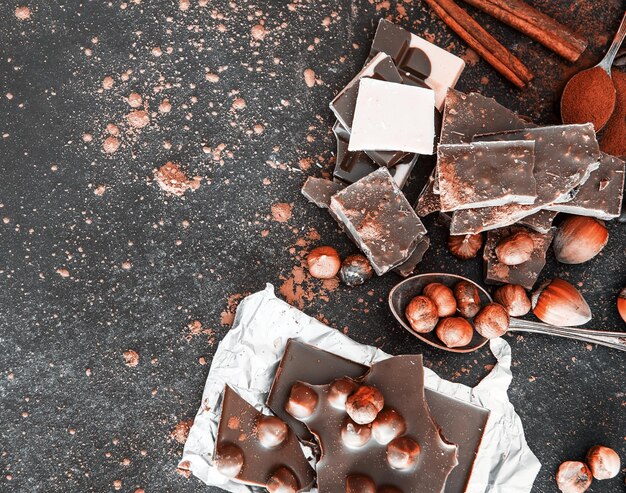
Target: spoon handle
(615, 340)
(607, 61)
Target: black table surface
(143, 265)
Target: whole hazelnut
(515, 249)
(465, 246)
(492, 321)
(573, 477)
(355, 435)
(364, 404)
(228, 459)
(271, 431)
(455, 332)
(323, 262)
(621, 304)
(603, 462)
(513, 297)
(443, 298)
(559, 303)
(579, 239)
(339, 391)
(355, 270)
(467, 298)
(388, 425)
(283, 480)
(302, 401)
(402, 452)
(421, 313)
(360, 483)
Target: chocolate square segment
(486, 174)
(319, 191)
(539, 221)
(377, 216)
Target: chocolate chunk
(407, 268)
(420, 62)
(486, 174)
(601, 195)
(258, 450)
(525, 274)
(428, 201)
(539, 221)
(319, 191)
(379, 219)
(461, 422)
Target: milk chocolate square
(379, 219)
(525, 274)
(428, 201)
(419, 62)
(486, 174)
(539, 221)
(319, 190)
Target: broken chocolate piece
(461, 422)
(393, 117)
(486, 174)
(420, 62)
(539, 221)
(417, 460)
(251, 447)
(379, 219)
(525, 274)
(407, 268)
(601, 195)
(319, 191)
(428, 201)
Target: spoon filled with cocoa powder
(589, 96)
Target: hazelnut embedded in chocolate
(282, 480)
(364, 404)
(323, 262)
(402, 452)
(388, 425)
(302, 401)
(360, 483)
(355, 435)
(228, 459)
(355, 270)
(421, 313)
(339, 391)
(271, 431)
(515, 249)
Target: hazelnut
(422, 314)
(389, 489)
(513, 297)
(573, 477)
(388, 425)
(603, 462)
(355, 270)
(228, 460)
(621, 304)
(364, 404)
(559, 303)
(515, 249)
(355, 435)
(360, 483)
(443, 298)
(492, 321)
(323, 262)
(283, 480)
(302, 401)
(455, 332)
(402, 452)
(271, 431)
(467, 298)
(465, 246)
(579, 239)
(339, 391)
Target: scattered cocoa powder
(309, 77)
(181, 431)
(588, 97)
(22, 13)
(110, 145)
(138, 118)
(281, 212)
(228, 315)
(131, 358)
(173, 180)
(613, 139)
(63, 272)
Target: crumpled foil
(248, 356)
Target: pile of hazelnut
(601, 463)
(324, 263)
(450, 313)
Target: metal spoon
(605, 64)
(402, 293)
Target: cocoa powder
(588, 97)
(613, 140)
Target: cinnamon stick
(482, 42)
(534, 24)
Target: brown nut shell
(465, 247)
(467, 298)
(559, 303)
(229, 460)
(603, 462)
(513, 297)
(621, 304)
(443, 298)
(515, 249)
(302, 401)
(579, 239)
(421, 313)
(282, 480)
(364, 404)
(402, 453)
(454, 332)
(573, 477)
(492, 321)
(323, 262)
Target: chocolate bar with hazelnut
(525, 274)
(259, 450)
(461, 422)
(319, 190)
(375, 431)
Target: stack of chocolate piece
(387, 116)
(371, 431)
(500, 173)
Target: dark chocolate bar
(319, 191)
(539, 221)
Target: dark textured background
(64, 430)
